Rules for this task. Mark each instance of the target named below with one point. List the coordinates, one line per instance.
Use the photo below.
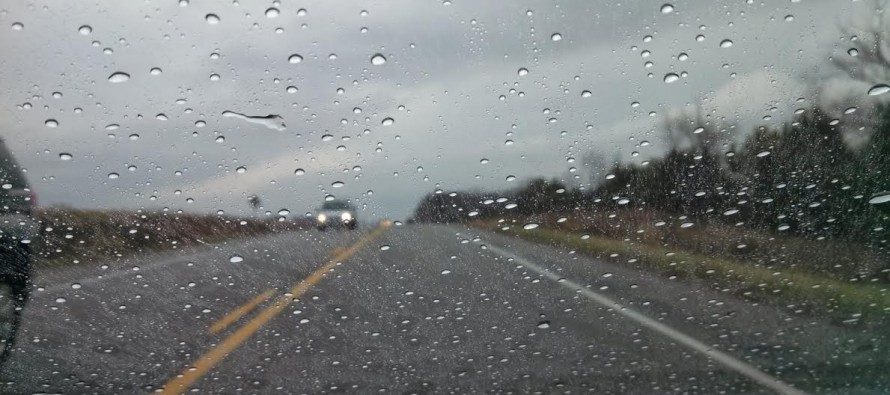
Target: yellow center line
(206, 362)
(236, 315)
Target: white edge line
(721, 357)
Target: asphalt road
(419, 309)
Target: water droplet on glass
(65, 156)
(522, 72)
(134, 137)
(378, 59)
(118, 77)
(214, 77)
(671, 77)
(853, 52)
(510, 178)
(85, 30)
(272, 12)
(544, 325)
(221, 139)
(301, 12)
(76, 286)
(667, 8)
(295, 58)
(384, 247)
(880, 198)
(60, 300)
(291, 89)
(446, 271)
(337, 184)
(236, 258)
(299, 172)
(283, 211)
(51, 123)
(241, 170)
(17, 26)
(725, 43)
(387, 121)
(529, 226)
(789, 18)
(586, 94)
(211, 19)
(113, 176)
(556, 37)
(879, 89)
(161, 117)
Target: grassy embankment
(783, 281)
(90, 236)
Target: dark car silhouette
(18, 228)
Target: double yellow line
(206, 362)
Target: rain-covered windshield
(445, 196)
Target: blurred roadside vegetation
(797, 198)
(74, 236)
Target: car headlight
(322, 217)
(346, 216)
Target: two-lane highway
(417, 309)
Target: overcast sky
(450, 83)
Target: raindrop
(214, 77)
(291, 89)
(51, 123)
(301, 12)
(60, 300)
(853, 52)
(667, 9)
(446, 271)
(241, 170)
(880, 198)
(236, 258)
(544, 325)
(384, 247)
(586, 94)
(221, 139)
(725, 43)
(17, 26)
(155, 71)
(522, 72)
(387, 121)
(789, 18)
(879, 89)
(75, 286)
(119, 77)
(556, 37)
(671, 77)
(299, 172)
(378, 59)
(731, 212)
(510, 178)
(272, 12)
(113, 176)
(134, 137)
(211, 19)
(65, 156)
(295, 58)
(337, 184)
(530, 226)
(85, 30)
(161, 117)
(283, 211)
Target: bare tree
(869, 58)
(254, 202)
(689, 128)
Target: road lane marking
(206, 362)
(241, 311)
(725, 359)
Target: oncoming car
(336, 214)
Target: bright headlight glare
(322, 217)
(346, 216)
